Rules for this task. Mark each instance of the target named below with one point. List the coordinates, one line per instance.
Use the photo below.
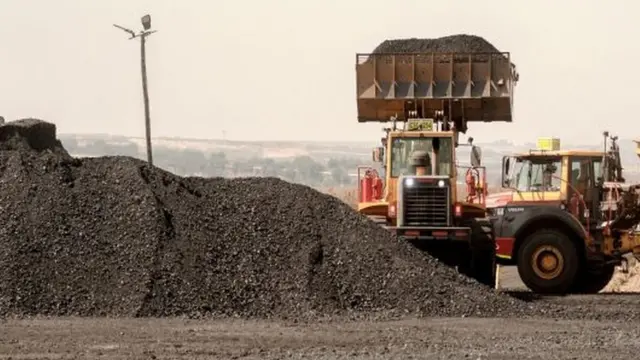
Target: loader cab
(418, 135)
(567, 178)
(395, 158)
(438, 147)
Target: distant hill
(325, 163)
(96, 145)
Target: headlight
(441, 183)
(409, 182)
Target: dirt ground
(405, 339)
(430, 338)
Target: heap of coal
(448, 44)
(113, 236)
(462, 44)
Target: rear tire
(548, 262)
(593, 279)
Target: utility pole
(146, 31)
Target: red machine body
(377, 187)
(470, 180)
(475, 179)
(366, 188)
(370, 186)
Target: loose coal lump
(112, 236)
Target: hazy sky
(284, 70)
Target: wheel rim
(548, 262)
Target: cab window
(445, 157)
(539, 174)
(403, 148)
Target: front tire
(481, 262)
(548, 262)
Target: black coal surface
(113, 236)
(461, 43)
(263, 247)
(448, 44)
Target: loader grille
(426, 204)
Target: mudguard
(512, 220)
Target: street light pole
(146, 31)
(145, 96)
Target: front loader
(429, 98)
(568, 220)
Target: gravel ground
(443, 338)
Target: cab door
(581, 192)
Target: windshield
(402, 148)
(541, 174)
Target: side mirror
(506, 164)
(378, 153)
(475, 156)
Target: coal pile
(267, 248)
(448, 44)
(76, 238)
(462, 43)
(113, 236)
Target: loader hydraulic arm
(626, 214)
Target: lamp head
(146, 22)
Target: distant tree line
(339, 171)
(308, 170)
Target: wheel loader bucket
(472, 86)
